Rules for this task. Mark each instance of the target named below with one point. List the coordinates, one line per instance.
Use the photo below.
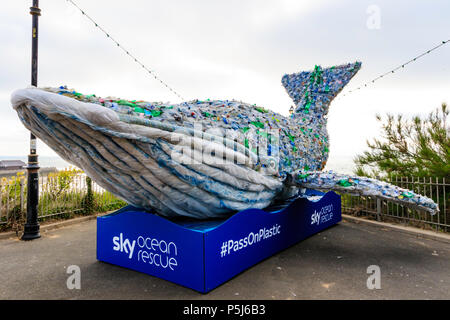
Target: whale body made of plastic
(202, 159)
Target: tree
(409, 147)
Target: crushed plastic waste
(126, 145)
(300, 141)
(365, 187)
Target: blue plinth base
(203, 255)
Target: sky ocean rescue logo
(158, 253)
(324, 215)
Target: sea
(341, 164)
(44, 161)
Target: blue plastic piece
(202, 255)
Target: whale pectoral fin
(364, 186)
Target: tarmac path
(330, 265)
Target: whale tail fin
(313, 91)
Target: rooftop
(5, 164)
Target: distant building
(11, 165)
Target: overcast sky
(231, 49)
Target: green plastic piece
(258, 124)
(344, 183)
(264, 134)
(156, 113)
(262, 110)
(127, 103)
(408, 195)
(303, 176)
(291, 137)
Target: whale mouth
(138, 163)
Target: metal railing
(434, 188)
(62, 193)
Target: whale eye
(272, 164)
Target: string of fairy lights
(149, 71)
(402, 66)
(152, 73)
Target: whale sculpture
(202, 159)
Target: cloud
(266, 13)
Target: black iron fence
(70, 191)
(434, 188)
(62, 193)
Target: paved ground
(330, 265)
